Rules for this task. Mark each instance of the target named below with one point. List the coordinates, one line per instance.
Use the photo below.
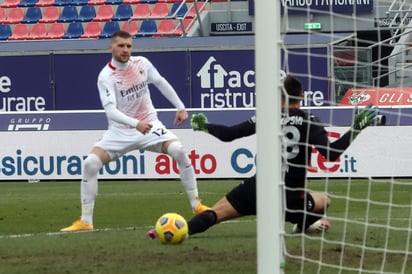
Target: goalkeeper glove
(364, 118)
(198, 122)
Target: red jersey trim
(111, 66)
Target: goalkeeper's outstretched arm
(332, 150)
(223, 132)
(230, 133)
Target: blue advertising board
(214, 79)
(174, 67)
(96, 120)
(76, 78)
(312, 72)
(223, 79)
(25, 83)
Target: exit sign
(231, 27)
(313, 26)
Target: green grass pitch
(31, 216)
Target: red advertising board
(377, 96)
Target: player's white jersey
(126, 86)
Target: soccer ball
(171, 228)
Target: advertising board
(336, 6)
(215, 79)
(378, 96)
(52, 146)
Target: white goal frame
(269, 202)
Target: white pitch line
(58, 233)
(26, 235)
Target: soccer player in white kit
(132, 124)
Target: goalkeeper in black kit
(301, 131)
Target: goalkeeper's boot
(151, 234)
(78, 225)
(198, 122)
(317, 227)
(200, 208)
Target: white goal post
(269, 213)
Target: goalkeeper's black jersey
(301, 133)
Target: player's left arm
(169, 92)
(108, 100)
(181, 117)
(363, 119)
(318, 137)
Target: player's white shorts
(118, 141)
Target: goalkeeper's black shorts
(243, 197)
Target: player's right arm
(114, 114)
(108, 99)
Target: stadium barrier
(52, 146)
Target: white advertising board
(57, 155)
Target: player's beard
(124, 58)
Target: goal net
(349, 54)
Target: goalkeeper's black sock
(307, 219)
(202, 222)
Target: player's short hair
(121, 34)
(293, 88)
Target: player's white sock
(187, 173)
(88, 188)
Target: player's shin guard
(202, 222)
